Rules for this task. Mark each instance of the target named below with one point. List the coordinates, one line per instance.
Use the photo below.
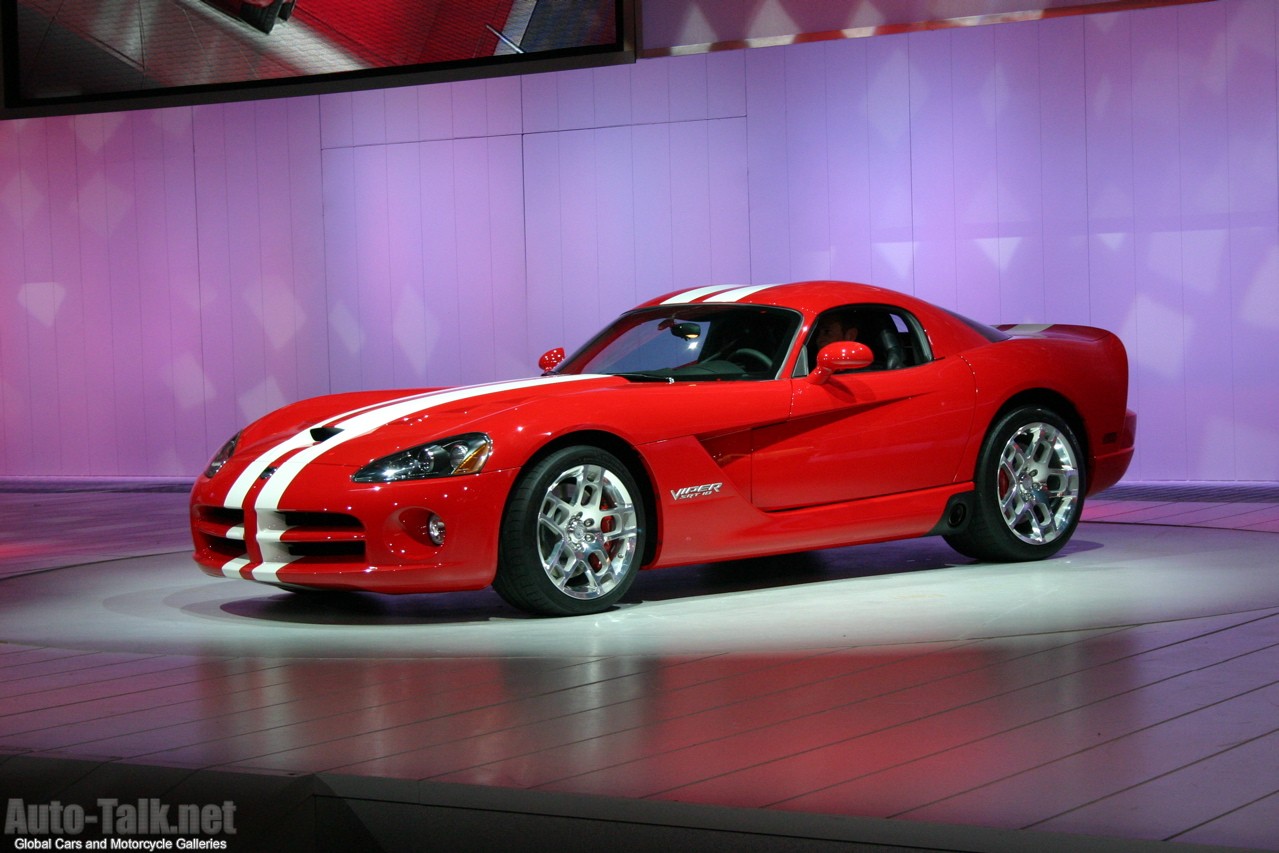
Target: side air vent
(324, 433)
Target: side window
(894, 336)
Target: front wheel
(573, 535)
(1030, 489)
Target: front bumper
(330, 533)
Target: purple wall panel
(1254, 215)
(690, 205)
(848, 126)
(66, 306)
(575, 100)
(1018, 194)
(612, 95)
(402, 121)
(95, 268)
(1154, 329)
(336, 127)
(655, 219)
(504, 111)
(156, 290)
(37, 335)
(729, 203)
(977, 248)
(168, 275)
(13, 353)
(766, 152)
(223, 417)
(1063, 138)
(688, 87)
(368, 118)
(181, 247)
(888, 157)
(932, 167)
(434, 112)
(246, 318)
(470, 109)
(578, 235)
(442, 337)
(619, 242)
(518, 355)
(33, 342)
(342, 270)
(279, 311)
(1203, 124)
(372, 292)
(124, 248)
(808, 154)
(307, 246)
(540, 100)
(650, 92)
(543, 235)
(474, 320)
(405, 266)
(726, 84)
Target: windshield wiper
(645, 377)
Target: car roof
(811, 297)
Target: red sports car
(714, 423)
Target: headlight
(220, 458)
(462, 454)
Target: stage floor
(1125, 690)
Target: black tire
(572, 537)
(1030, 484)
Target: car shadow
(683, 582)
(337, 607)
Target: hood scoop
(319, 434)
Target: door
(870, 432)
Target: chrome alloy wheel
(1038, 483)
(587, 531)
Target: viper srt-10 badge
(689, 492)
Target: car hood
(354, 429)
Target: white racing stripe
(716, 293)
(697, 293)
(355, 423)
(267, 572)
(738, 293)
(368, 421)
(240, 488)
(231, 568)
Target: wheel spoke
(1039, 514)
(591, 488)
(555, 506)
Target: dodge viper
(708, 424)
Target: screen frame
(623, 50)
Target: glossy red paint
(728, 465)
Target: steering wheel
(745, 357)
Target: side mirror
(551, 359)
(841, 355)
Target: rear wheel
(1030, 489)
(573, 534)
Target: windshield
(692, 342)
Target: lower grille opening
(346, 551)
(227, 549)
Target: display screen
(83, 55)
